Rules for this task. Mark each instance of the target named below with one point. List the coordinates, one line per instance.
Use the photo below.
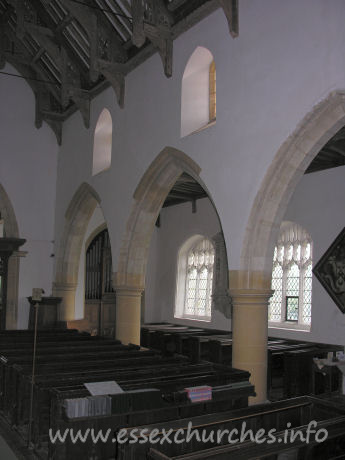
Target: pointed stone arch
(7, 213)
(250, 286)
(279, 183)
(148, 200)
(77, 217)
(11, 230)
(149, 197)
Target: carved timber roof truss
(70, 50)
(186, 189)
(331, 155)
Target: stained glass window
(198, 297)
(292, 276)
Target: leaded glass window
(198, 296)
(276, 299)
(292, 277)
(307, 295)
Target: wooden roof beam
(58, 32)
(63, 24)
(152, 20)
(333, 149)
(101, 37)
(37, 55)
(44, 113)
(70, 77)
(180, 196)
(161, 39)
(3, 20)
(27, 59)
(23, 10)
(119, 25)
(70, 84)
(230, 8)
(115, 74)
(43, 110)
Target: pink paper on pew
(200, 393)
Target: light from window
(292, 277)
(200, 262)
(195, 279)
(212, 94)
(198, 95)
(102, 142)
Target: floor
(5, 452)
(10, 448)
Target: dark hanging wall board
(330, 270)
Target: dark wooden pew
(297, 412)
(64, 366)
(159, 377)
(154, 385)
(299, 373)
(216, 346)
(172, 338)
(99, 372)
(20, 362)
(170, 406)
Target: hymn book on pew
(99, 403)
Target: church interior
(172, 229)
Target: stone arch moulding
(250, 286)
(7, 213)
(94, 233)
(77, 217)
(286, 169)
(11, 230)
(149, 197)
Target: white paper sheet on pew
(328, 362)
(103, 388)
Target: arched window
(292, 278)
(195, 279)
(102, 143)
(198, 96)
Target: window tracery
(292, 277)
(200, 264)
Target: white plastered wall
(267, 80)
(161, 273)
(288, 57)
(28, 162)
(318, 206)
